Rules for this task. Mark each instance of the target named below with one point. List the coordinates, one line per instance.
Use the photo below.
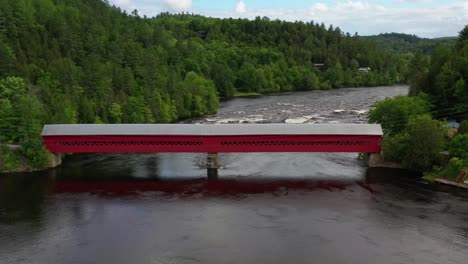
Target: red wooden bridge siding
(262, 139)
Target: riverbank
(13, 162)
(245, 94)
(377, 160)
(240, 94)
(462, 185)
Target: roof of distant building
(453, 124)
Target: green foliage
(248, 79)
(203, 97)
(8, 121)
(463, 38)
(136, 110)
(418, 145)
(89, 62)
(303, 78)
(395, 147)
(425, 144)
(445, 79)
(34, 152)
(84, 56)
(404, 43)
(454, 168)
(115, 113)
(21, 120)
(12, 88)
(20, 113)
(246, 94)
(459, 146)
(463, 129)
(417, 72)
(394, 113)
(9, 160)
(223, 77)
(7, 60)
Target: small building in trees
(319, 66)
(453, 127)
(453, 124)
(364, 69)
(203, 35)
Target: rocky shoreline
(376, 160)
(54, 160)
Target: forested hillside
(444, 78)
(88, 62)
(404, 43)
(416, 131)
(84, 61)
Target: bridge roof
(212, 129)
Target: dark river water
(266, 208)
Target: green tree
(116, 113)
(445, 79)
(463, 129)
(420, 155)
(9, 121)
(395, 147)
(223, 79)
(7, 60)
(136, 110)
(335, 75)
(459, 146)
(394, 113)
(247, 79)
(12, 88)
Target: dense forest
(89, 62)
(416, 131)
(444, 78)
(412, 44)
(64, 61)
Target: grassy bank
(246, 94)
(17, 160)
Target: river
(267, 208)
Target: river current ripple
(267, 208)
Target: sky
(425, 18)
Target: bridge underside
(212, 143)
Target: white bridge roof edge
(211, 129)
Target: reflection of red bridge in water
(208, 138)
(206, 188)
(224, 187)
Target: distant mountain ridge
(405, 43)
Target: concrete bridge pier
(212, 166)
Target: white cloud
(367, 18)
(121, 3)
(413, 1)
(319, 7)
(241, 7)
(364, 17)
(179, 5)
(152, 7)
(350, 5)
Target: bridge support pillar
(212, 166)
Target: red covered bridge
(209, 138)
